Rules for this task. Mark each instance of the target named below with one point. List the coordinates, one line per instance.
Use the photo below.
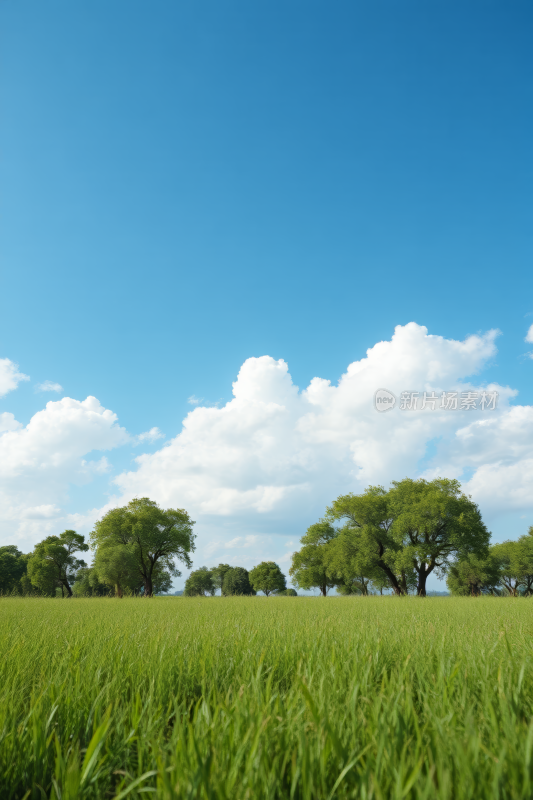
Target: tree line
(380, 540)
(266, 577)
(135, 550)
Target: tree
(12, 568)
(290, 592)
(472, 575)
(267, 578)
(52, 563)
(513, 567)
(200, 583)
(154, 535)
(237, 582)
(87, 584)
(116, 566)
(218, 574)
(308, 569)
(417, 525)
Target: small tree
(87, 584)
(267, 578)
(309, 564)
(200, 583)
(52, 563)
(237, 582)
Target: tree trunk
(148, 586)
(391, 576)
(323, 590)
(422, 577)
(67, 587)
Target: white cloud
(258, 470)
(49, 386)
(39, 462)
(273, 457)
(194, 401)
(8, 422)
(149, 436)
(10, 377)
(529, 335)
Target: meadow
(266, 698)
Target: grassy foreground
(255, 698)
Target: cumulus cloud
(149, 436)
(273, 457)
(10, 377)
(49, 386)
(255, 472)
(529, 335)
(38, 462)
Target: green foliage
(267, 577)
(309, 699)
(12, 569)
(218, 574)
(237, 583)
(153, 536)
(472, 575)
(309, 565)
(52, 564)
(515, 560)
(416, 528)
(88, 584)
(200, 583)
(116, 566)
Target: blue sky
(186, 186)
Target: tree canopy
(417, 525)
(267, 577)
(309, 564)
(52, 563)
(200, 582)
(153, 536)
(237, 582)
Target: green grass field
(255, 698)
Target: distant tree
(155, 536)
(237, 582)
(290, 592)
(87, 584)
(309, 564)
(474, 576)
(267, 577)
(12, 568)
(417, 524)
(218, 574)
(515, 560)
(52, 563)
(200, 582)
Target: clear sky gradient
(186, 185)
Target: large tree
(12, 569)
(267, 577)
(417, 525)
(200, 583)
(154, 535)
(309, 564)
(53, 564)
